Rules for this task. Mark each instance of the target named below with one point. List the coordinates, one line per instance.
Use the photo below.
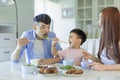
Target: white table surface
(9, 71)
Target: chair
(91, 45)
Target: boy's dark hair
(80, 34)
(42, 18)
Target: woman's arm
(112, 67)
(102, 67)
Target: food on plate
(41, 71)
(42, 66)
(67, 67)
(74, 71)
(48, 70)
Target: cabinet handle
(6, 52)
(6, 38)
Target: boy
(76, 38)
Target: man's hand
(21, 42)
(48, 61)
(43, 62)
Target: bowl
(28, 68)
(68, 62)
(34, 61)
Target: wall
(39, 7)
(61, 26)
(25, 15)
(8, 14)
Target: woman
(109, 49)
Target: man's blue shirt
(30, 35)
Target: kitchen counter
(13, 72)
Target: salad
(67, 67)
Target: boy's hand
(86, 54)
(54, 41)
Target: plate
(48, 74)
(76, 67)
(76, 75)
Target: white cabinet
(5, 53)
(7, 40)
(87, 15)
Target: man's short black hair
(80, 34)
(42, 18)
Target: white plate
(76, 75)
(48, 74)
(76, 67)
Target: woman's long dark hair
(110, 36)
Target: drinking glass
(85, 63)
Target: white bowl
(34, 61)
(28, 69)
(68, 62)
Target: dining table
(9, 71)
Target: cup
(85, 63)
(68, 62)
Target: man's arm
(16, 53)
(49, 61)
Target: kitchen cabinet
(87, 15)
(7, 40)
(8, 29)
(5, 53)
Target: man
(35, 42)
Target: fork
(61, 41)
